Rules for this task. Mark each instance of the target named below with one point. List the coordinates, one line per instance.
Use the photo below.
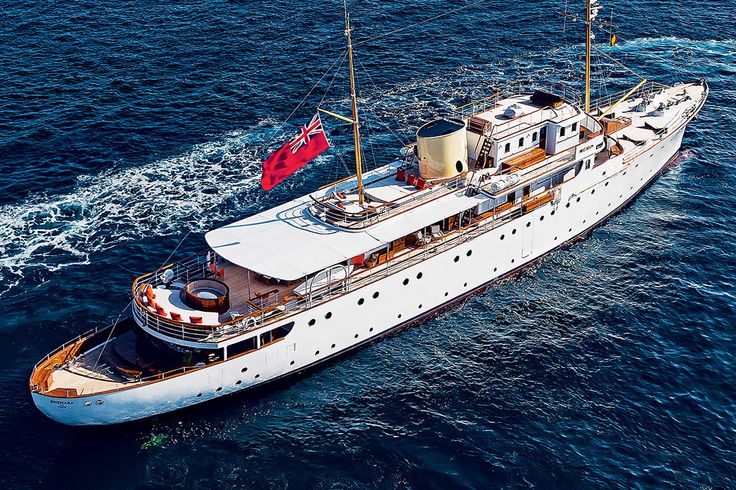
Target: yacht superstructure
(478, 196)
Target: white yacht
(477, 197)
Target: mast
(354, 99)
(588, 46)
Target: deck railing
(516, 88)
(323, 210)
(649, 88)
(295, 304)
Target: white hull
(602, 191)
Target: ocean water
(127, 127)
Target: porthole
(376, 294)
(240, 381)
(312, 322)
(513, 260)
(569, 230)
(457, 258)
(465, 285)
(361, 301)
(513, 232)
(469, 253)
(333, 346)
(555, 238)
(199, 395)
(419, 276)
(605, 185)
(87, 404)
(503, 236)
(567, 205)
(316, 353)
(624, 173)
(328, 315)
(604, 174)
(446, 293)
(399, 316)
(291, 363)
(609, 204)
(406, 281)
(219, 388)
(552, 213)
(420, 307)
(596, 213)
(244, 370)
(356, 335)
(541, 218)
(495, 269)
(528, 224)
(583, 221)
(370, 329)
(257, 376)
(592, 192)
(99, 402)
(578, 200)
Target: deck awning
(288, 243)
(427, 214)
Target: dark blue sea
(126, 127)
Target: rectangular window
(562, 131)
(276, 333)
(574, 126)
(507, 148)
(587, 163)
(521, 142)
(534, 136)
(240, 347)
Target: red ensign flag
(302, 149)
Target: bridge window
(507, 148)
(535, 136)
(562, 131)
(574, 126)
(521, 142)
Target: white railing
(649, 87)
(298, 304)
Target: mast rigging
(354, 100)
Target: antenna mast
(353, 97)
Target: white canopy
(288, 243)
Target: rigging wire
(337, 71)
(370, 79)
(616, 62)
(278, 133)
(439, 16)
